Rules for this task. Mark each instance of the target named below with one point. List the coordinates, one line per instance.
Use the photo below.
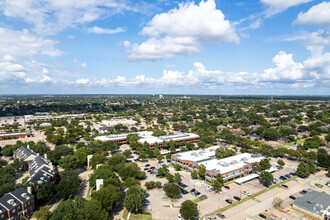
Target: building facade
(16, 204)
(230, 168)
(15, 135)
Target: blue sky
(231, 47)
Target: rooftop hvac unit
(233, 162)
(244, 159)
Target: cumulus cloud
(23, 44)
(277, 6)
(50, 17)
(181, 30)
(317, 15)
(286, 69)
(99, 30)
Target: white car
(246, 193)
(179, 217)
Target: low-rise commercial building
(16, 204)
(41, 169)
(15, 135)
(230, 168)
(314, 203)
(146, 136)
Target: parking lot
(164, 208)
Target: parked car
(145, 203)
(303, 192)
(152, 168)
(285, 186)
(220, 215)
(292, 197)
(246, 193)
(192, 190)
(147, 195)
(237, 198)
(229, 201)
(263, 216)
(197, 193)
(203, 197)
(184, 192)
(147, 165)
(227, 187)
(146, 168)
(179, 217)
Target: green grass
(319, 185)
(143, 216)
(197, 200)
(253, 196)
(172, 200)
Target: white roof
(231, 163)
(113, 137)
(198, 155)
(174, 137)
(246, 178)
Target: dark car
(146, 168)
(192, 190)
(220, 215)
(293, 174)
(292, 197)
(147, 165)
(203, 197)
(285, 186)
(303, 192)
(263, 216)
(197, 193)
(229, 201)
(227, 187)
(184, 192)
(237, 198)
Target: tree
(177, 167)
(163, 171)
(69, 184)
(177, 177)
(108, 196)
(281, 163)
(218, 182)
(202, 169)
(69, 162)
(130, 181)
(172, 190)
(168, 156)
(311, 166)
(303, 170)
(189, 210)
(194, 175)
(170, 177)
(42, 214)
(266, 177)
(224, 152)
(97, 159)
(127, 152)
(277, 202)
(43, 192)
(134, 198)
(271, 134)
(265, 164)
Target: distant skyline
(211, 47)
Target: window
(237, 172)
(230, 174)
(28, 202)
(2, 216)
(224, 176)
(14, 210)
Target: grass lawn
(172, 200)
(198, 200)
(143, 216)
(319, 185)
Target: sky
(222, 47)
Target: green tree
(223, 153)
(281, 163)
(130, 181)
(202, 169)
(172, 190)
(311, 166)
(265, 164)
(97, 159)
(43, 192)
(194, 175)
(271, 134)
(42, 214)
(189, 210)
(266, 177)
(108, 196)
(218, 183)
(134, 198)
(69, 162)
(69, 184)
(303, 170)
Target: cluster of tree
(79, 208)
(218, 183)
(224, 152)
(304, 169)
(7, 174)
(153, 184)
(172, 190)
(134, 198)
(189, 210)
(266, 177)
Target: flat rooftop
(174, 137)
(114, 137)
(198, 155)
(231, 163)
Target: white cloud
(83, 64)
(286, 69)
(99, 30)
(127, 43)
(50, 16)
(181, 30)
(164, 48)
(319, 66)
(24, 44)
(317, 15)
(277, 6)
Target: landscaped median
(253, 196)
(141, 216)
